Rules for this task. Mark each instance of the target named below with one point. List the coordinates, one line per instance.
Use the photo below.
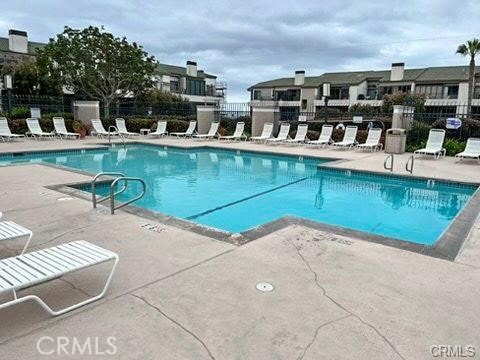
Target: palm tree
(470, 48)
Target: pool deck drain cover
(264, 286)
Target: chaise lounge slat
(31, 269)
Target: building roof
(32, 46)
(180, 70)
(430, 74)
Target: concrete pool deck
(178, 294)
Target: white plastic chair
(61, 129)
(472, 150)
(122, 128)
(5, 132)
(349, 137)
(190, 130)
(238, 134)
(161, 129)
(24, 271)
(283, 134)
(300, 135)
(373, 140)
(325, 137)
(10, 230)
(266, 133)
(100, 130)
(211, 133)
(36, 131)
(434, 146)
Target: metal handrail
(120, 136)
(411, 167)
(391, 163)
(113, 194)
(94, 180)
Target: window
(174, 85)
(372, 92)
(195, 87)
(432, 91)
(287, 95)
(476, 92)
(451, 91)
(339, 93)
(304, 104)
(257, 95)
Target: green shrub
(361, 110)
(228, 124)
(20, 113)
(65, 115)
(418, 133)
(454, 146)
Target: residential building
(16, 48)
(195, 85)
(191, 83)
(443, 86)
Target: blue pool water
(235, 191)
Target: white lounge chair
(211, 133)
(190, 130)
(283, 134)
(348, 140)
(472, 150)
(61, 129)
(161, 129)
(5, 132)
(373, 140)
(325, 137)
(122, 128)
(10, 230)
(300, 135)
(36, 131)
(100, 130)
(434, 145)
(31, 269)
(238, 134)
(266, 133)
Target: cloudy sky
(244, 42)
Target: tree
(471, 48)
(402, 98)
(97, 65)
(27, 80)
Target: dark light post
(8, 86)
(325, 100)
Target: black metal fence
(21, 104)
(431, 115)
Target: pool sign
(453, 123)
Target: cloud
(245, 42)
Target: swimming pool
(237, 191)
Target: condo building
(443, 86)
(188, 82)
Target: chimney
(299, 77)
(18, 41)
(398, 69)
(192, 68)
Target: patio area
(178, 294)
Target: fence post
(262, 115)
(205, 117)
